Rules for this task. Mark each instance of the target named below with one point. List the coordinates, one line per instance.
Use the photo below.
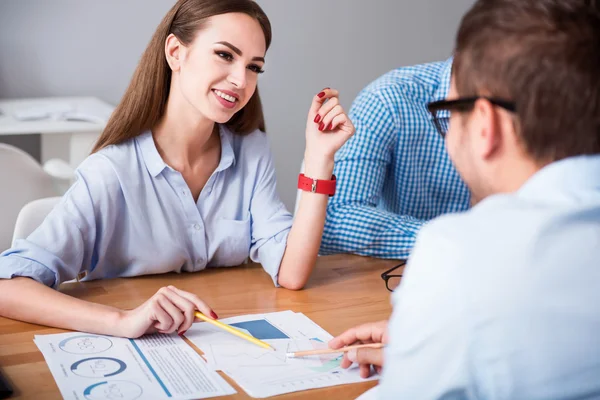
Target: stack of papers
(263, 373)
(62, 111)
(96, 367)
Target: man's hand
(375, 332)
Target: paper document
(96, 367)
(85, 111)
(229, 355)
(41, 111)
(262, 372)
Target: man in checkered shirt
(394, 174)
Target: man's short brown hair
(545, 56)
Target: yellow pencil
(233, 331)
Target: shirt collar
(153, 160)
(155, 164)
(443, 88)
(569, 176)
(441, 92)
(227, 153)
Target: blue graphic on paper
(261, 329)
(85, 344)
(143, 357)
(98, 367)
(110, 390)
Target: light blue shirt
(394, 174)
(131, 214)
(503, 301)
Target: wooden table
(344, 291)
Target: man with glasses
(394, 174)
(503, 301)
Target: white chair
(32, 216)
(62, 172)
(22, 180)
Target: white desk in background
(79, 120)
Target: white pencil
(330, 351)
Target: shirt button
(197, 227)
(199, 261)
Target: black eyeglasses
(440, 110)
(392, 280)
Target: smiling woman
(145, 100)
(181, 180)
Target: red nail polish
(321, 126)
(317, 119)
(329, 127)
(321, 94)
(214, 315)
(182, 333)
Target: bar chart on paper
(260, 329)
(264, 372)
(260, 326)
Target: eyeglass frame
(387, 274)
(463, 104)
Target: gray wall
(69, 47)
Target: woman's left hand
(327, 127)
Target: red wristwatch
(322, 186)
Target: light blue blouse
(129, 213)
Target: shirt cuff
(12, 266)
(270, 253)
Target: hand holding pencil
(346, 349)
(169, 310)
(373, 333)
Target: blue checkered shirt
(394, 174)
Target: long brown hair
(144, 101)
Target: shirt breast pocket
(230, 242)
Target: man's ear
(173, 52)
(487, 128)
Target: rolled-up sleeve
(64, 244)
(271, 221)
